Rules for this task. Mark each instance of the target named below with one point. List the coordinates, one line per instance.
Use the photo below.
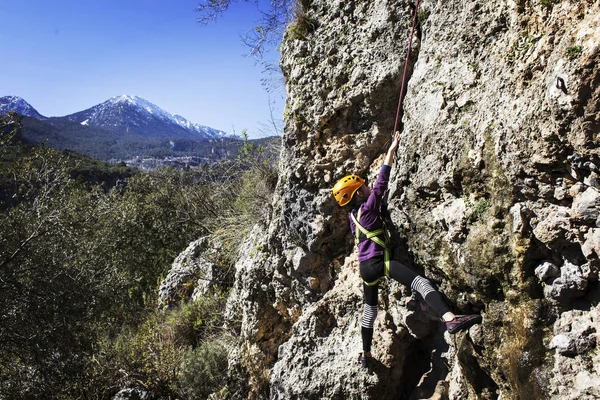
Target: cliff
(494, 197)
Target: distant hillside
(81, 167)
(100, 143)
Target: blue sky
(64, 56)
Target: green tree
(48, 296)
(80, 262)
(76, 263)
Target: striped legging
(373, 269)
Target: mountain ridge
(122, 128)
(115, 114)
(20, 106)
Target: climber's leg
(408, 277)
(369, 315)
(371, 271)
(433, 298)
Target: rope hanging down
(410, 40)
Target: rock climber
(366, 222)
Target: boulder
(551, 228)
(586, 206)
(134, 393)
(190, 276)
(547, 271)
(572, 283)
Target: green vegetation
(203, 370)
(83, 248)
(521, 47)
(102, 144)
(549, 3)
(174, 353)
(481, 208)
(423, 15)
(301, 27)
(572, 52)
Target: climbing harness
(410, 40)
(374, 236)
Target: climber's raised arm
(389, 158)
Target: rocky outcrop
(494, 197)
(192, 274)
(135, 393)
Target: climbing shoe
(364, 360)
(463, 322)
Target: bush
(250, 193)
(203, 370)
(549, 3)
(162, 348)
(572, 52)
(196, 320)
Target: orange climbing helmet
(345, 188)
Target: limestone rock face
(191, 274)
(135, 393)
(494, 197)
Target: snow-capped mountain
(133, 115)
(20, 106)
(121, 128)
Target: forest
(102, 144)
(84, 246)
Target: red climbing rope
(410, 40)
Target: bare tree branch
(270, 27)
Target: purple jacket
(370, 216)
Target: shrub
(203, 370)
(163, 348)
(250, 193)
(196, 320)
(302, 25)
(572, 52)
(549, 3)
